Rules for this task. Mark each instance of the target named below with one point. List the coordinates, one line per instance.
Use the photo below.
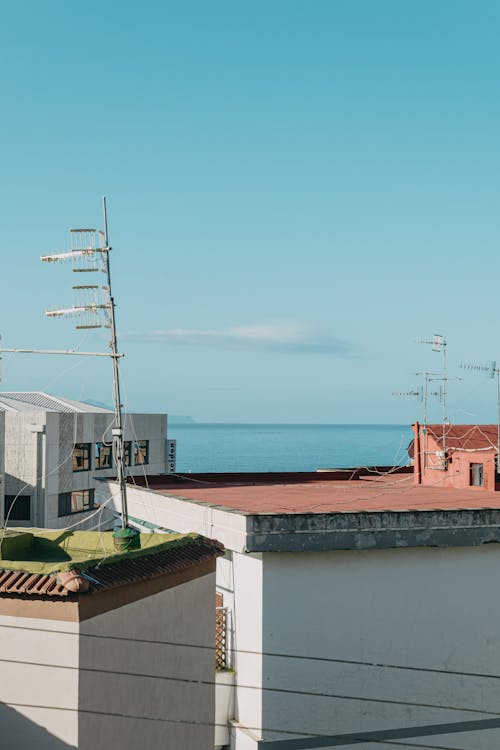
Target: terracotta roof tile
(465, 436)
(107, 576)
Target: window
(127, 450)
(81, 457)
(141, 452)
(103, 456)
(75, 502)
(18, 507)
(476, 475)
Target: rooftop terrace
(347, 491)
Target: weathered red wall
(457, 474)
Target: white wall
(2, 463)
(179, 515)
(39, 684)
(426, 608)
(247, 657)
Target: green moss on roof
(58, 551)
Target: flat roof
(370, 493)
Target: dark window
(103, 456)
(18, 507)
(476, 475)
(141, 452)
(127, 450)
(75, 502)
(81, 457)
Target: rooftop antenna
(422, 394)
(438, 344)
(94, 307)
(490, 369)
(429, 377)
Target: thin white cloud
(290, 338)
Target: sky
(297, 193)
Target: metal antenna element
(490, 369)
(94, 307)
(416, 394)
(438, 344)
(428, 378)
(422, 394)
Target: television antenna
(422, 394)
(428, 378)
(491, 370)
(94, 307)
(438, 344)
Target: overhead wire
(291, 657)
(212, 725)
(260, 688)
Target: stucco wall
(138, 687)
(247, 657)
(39, 684)
(178, 515)
(457, 474)
(400, 628)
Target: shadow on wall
(19, 732)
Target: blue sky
(297, 192)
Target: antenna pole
(498, 420)
(117, 431)
(444, 398)
(426, 386)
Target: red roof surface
(466, 436)
(104, 577)
(392, 492)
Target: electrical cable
(268, 654)
(260, 688)
(211, 724)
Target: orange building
(458, 456)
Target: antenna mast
(94, 307)
(117, 431)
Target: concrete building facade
(56, 449)
(360, 610)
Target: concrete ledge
(319, 532)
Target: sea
(219, 447)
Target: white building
(55, 449)
(2, 458)
(114, 652)
(363, 613)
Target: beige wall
(140, 676)
(134, 678)
(39, 684)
